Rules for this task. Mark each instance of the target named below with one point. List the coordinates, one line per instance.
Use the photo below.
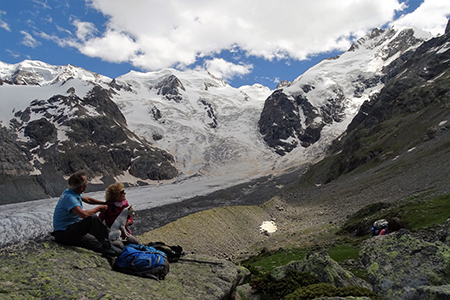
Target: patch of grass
(273, 290)
(267, 261)
(343, 252)
(427, 213)
(360, 220)
(327, 290)
(416, 213)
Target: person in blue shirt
(75, 226)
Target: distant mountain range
(160, 127)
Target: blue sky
(244, 42)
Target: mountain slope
(318, 105)
(413, 108)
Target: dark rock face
(209, 113)
(169, 88)
(67, 134)
(40, 132)
(280, 120)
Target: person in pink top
(394, 225)
(116, 201)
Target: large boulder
(48, 270)
(403, 266)
(324, 267)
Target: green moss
(343, 252)
(374, 267)
(392, 254)
(327, 290)
(268, 260)
(277, 289)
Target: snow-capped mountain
(318, 106)
(39, 73)
(208, 126)
(140, 127)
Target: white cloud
(85, 30)
(3, 24)
(432, 16)
(226, 70)
(28, 40)
(42, 3)
(155, 34)
(12, 53)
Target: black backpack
(173, 253)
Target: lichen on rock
(42, 270)
(416, 264)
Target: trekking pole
(200, 261)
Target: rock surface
(48, 270)
(404, 266)
(326, 269)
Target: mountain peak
(328, 95)
(33, 72)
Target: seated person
(394, 225)
(74, 226)
(116, 201)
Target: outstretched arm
(91, 200)
(89, 212)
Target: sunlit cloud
(226, 70)
(431, 15)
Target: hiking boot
(111, 250)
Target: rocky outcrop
(324, 267)
(47, 270)
(169, 88)
(403, 266)
(280, 122)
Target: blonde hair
(112, 193)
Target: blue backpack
(144, 261)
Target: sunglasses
(122, 192)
